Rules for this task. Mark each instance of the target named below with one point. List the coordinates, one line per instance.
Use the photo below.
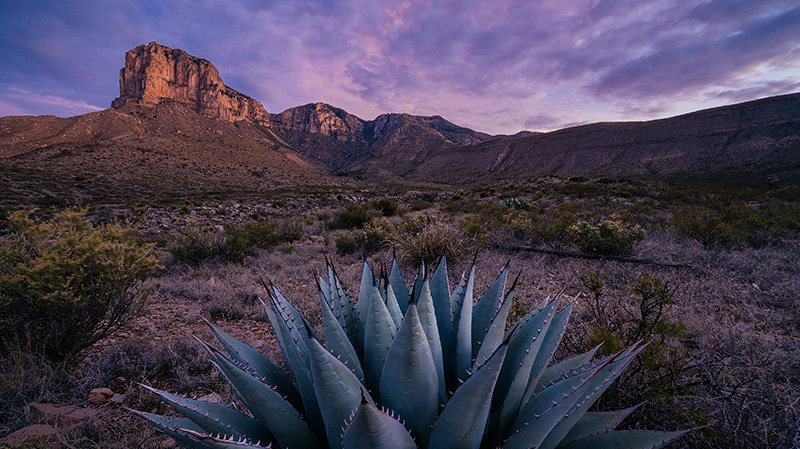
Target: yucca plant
(405, 368)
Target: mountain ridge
(180, 101)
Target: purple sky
(494, 66)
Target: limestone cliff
(153, 73)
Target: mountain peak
(154, 73)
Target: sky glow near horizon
(496, 67)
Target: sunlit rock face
(154, 73)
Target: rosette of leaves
(411, 367)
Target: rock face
(338, 139)
(154, 73)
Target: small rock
(38, 434)
(97, 399)
(169, 442)
(118, 398)
(107, 392)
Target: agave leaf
(592, 423)
(216, 419)
(216, 442)
(372, 428)
(629, 439)
(393, 306)
(263, 367)
(556, 372)
(523, 346)
(409, 368)
(345, 311)
(449, 351)
(337, 341)
(462, 328)
(266, 405)
(464, 418)
(545, 410)
(427, 316)
(338, 391)
(297, 363)
(170, 425)
(440, 294)
(601, 380)
(399, 286)
(485, 310)
(548, 347)
(365, 289)
(381, 329)
(416, 288)
(496, 331)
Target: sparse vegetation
(66, 283)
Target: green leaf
(216, 419)
(297, 363)
(337, 341)
(345, 311)
(381, 329)
(464, 418)
(393, 306)
(496, 331)
(629, 439)
(547, 349)
(266, 405)
(556, 372)
(485, 310)
(427, 316)
(338, 391)
(603, 378)
(410, 367)
(523, 347)
(440, 294)
(399, 286)
(365, 289)
(545, 410)
(255, 361)
(592, 423)
(170, 426)
(462, 328)
(220, 443)
(372, 428)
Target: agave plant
(405, 368)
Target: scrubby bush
(197, 243)
(704, 224)
(386, 206)
(66, 283)
(376, 234)
(432, 239)
(351, 217)
(611, 238)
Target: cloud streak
(494, 66)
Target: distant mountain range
(176, 124)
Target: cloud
(545, 63)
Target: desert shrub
(386, 206)
(552, 227)
(704, 224)
(376, 234)
(607, 237)
(70, 283)
(351, 217)
(430, 241)
(518, 204)
(347, 242)
(194, 243)
(197, 243)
